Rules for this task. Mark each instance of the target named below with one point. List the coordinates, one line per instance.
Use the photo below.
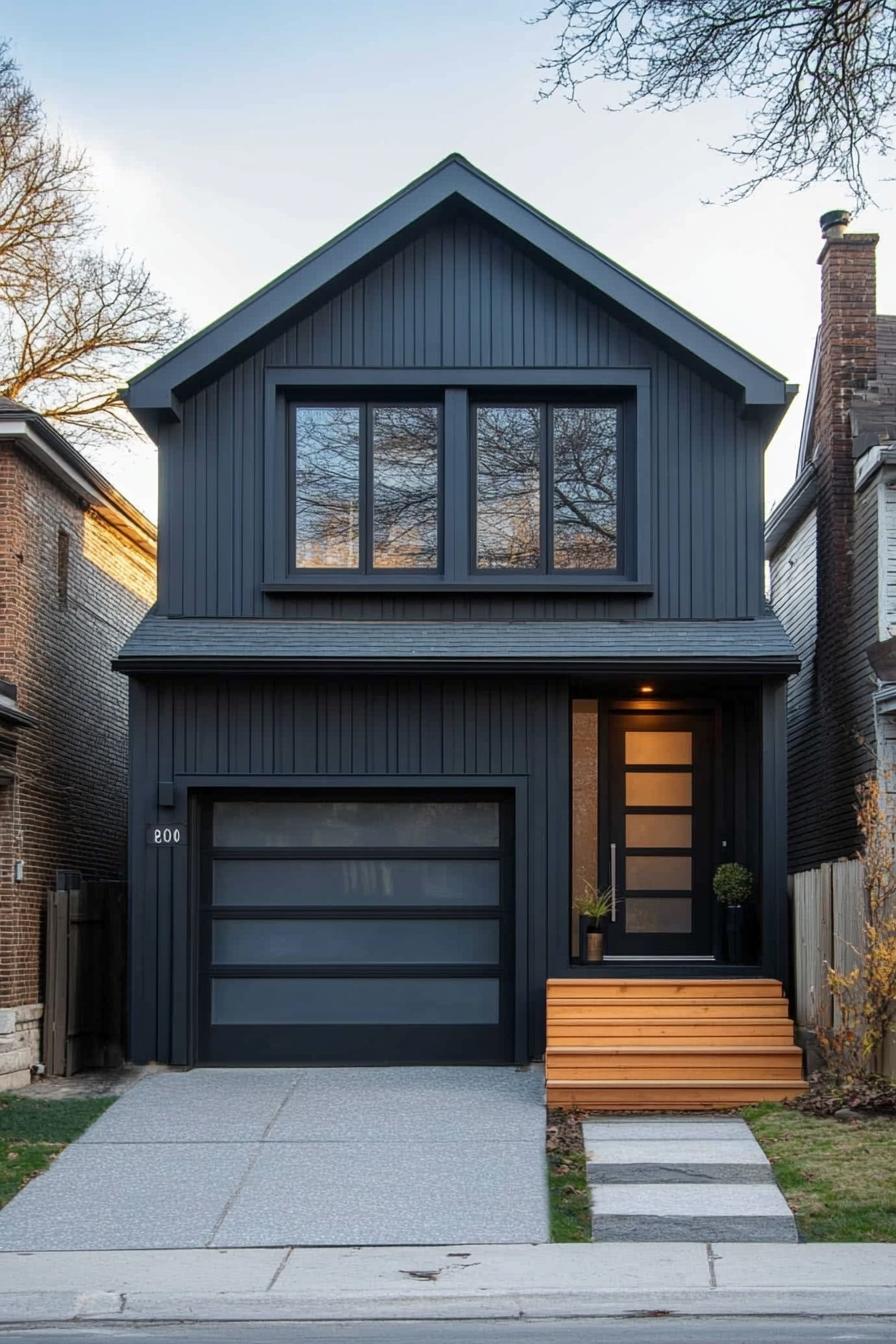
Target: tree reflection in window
(508, 511)
(405, 487)
(328, 476)
(584, 443)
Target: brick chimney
(848, 360)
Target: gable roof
(455, 179)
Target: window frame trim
(546, 568)
(453, 388)
(366, 569)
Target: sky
(230, 139)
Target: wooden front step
(671, 1061)
(640, 1010)
(669, 1044)
(663, 1031)
(667, 1095)
(603, 988)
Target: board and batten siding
(461, 296)
(264, 731)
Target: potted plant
(595, 907)
(733, 887)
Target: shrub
(732, 884)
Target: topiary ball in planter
(733, 887)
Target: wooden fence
(828, 930)
(84, 1014)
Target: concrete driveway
(298, 1157)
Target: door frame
(202, 788)
(612, 812)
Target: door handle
(613, 884)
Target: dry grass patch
(839, 1177)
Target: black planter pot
(719, 940)
(734, 932)
(585, 923)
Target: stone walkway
(298, 1157)
(682, 1178)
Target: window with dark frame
(367, 487)
(546, 487)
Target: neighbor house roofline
(155, 392)
(791, 511)
(33, 435)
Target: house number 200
(165, 835)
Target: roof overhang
(155, 393)
(167, 644)
(787, 516)
(38, 440)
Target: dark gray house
(460, 615)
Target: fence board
(812, 946)
(86, 951)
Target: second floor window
(367, 487)
(546, 487)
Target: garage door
(364, 929)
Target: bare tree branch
(73, 319)
(819, 75)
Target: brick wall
(848, 362)
(67, 807)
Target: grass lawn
(32, 1132)
(839, 1177)
(570, 1205)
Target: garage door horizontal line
(396, 913)
(353, 971)
(355, 853)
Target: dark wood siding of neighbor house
(460, 296)
(822, 766)
(793, 580)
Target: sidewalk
(484, 1282)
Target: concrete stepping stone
(657, 1178)
(660, 1128)
(675, 1161)
(680, 1212)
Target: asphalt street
(715, 1330)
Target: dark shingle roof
(160, 642)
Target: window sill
(488, 583)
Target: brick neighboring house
(77, 573)
(831, 543)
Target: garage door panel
(346, 1001)
(356, 823)
(338, 942)
(353, 881)
(356, 927)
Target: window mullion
(365, 519)
(547, 491)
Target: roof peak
(154, 392)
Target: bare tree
(73, 318)
(819, 76)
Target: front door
(659, 846)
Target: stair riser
(773, 1009)
(558, 991)
(685, 1035)
(671, 1071)
(656, 1097)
